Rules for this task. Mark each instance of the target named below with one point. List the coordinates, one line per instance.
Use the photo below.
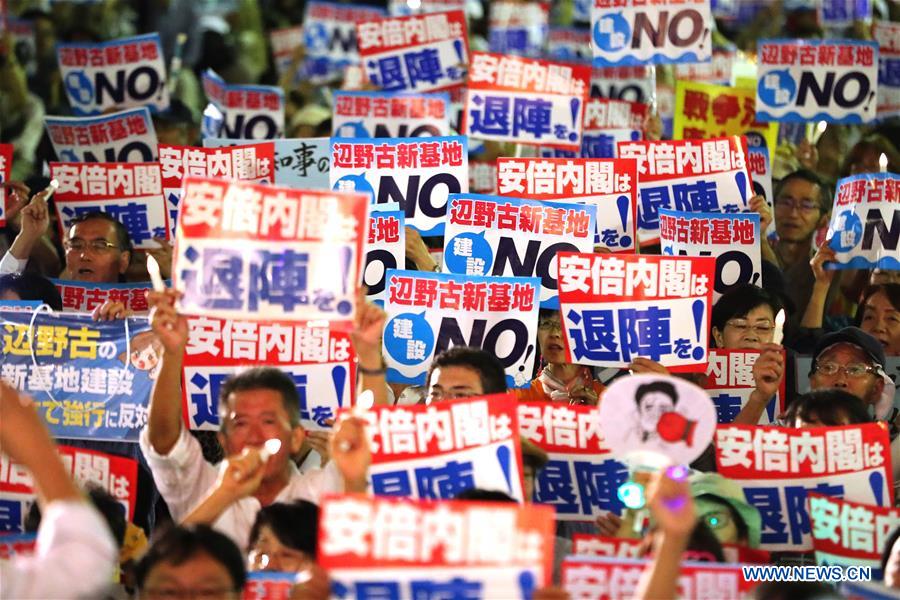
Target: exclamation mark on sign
(458, 47)
(876, 481)
(527, 585)
(345, 306)
(741, 180)
(622, 203)
(575, 104)
(770, 409)
(339, 378)
(503, 457)
(698, 309)
(705, 35)
(528, 352)
(869, 101)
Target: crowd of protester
(209, 524)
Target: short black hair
(262, 378)
(296, 525)
(891, 292)
(482, 495)
(827, 407)
(739, 301)
(490, 370)
(656, 386)
(112, 511)
(123, 240)
(32, 286)
(825, 201)
(178, 544)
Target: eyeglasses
(853, 371)
(787, 204)
(549, 325)
(761, 327)
(171, 593)
(77, 245)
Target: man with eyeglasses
(802, 206)
(460, 372)
(850, 360)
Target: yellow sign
(704, 110)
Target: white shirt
(75, 556)
(9, 264)
(184, 479)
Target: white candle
(882, 162)
(778, 335)
(153, 268)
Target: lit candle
(778, 335)
(820, 129)
(882, 162)
(155, 276)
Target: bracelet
(379, 371)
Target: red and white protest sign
(581, 478)
(597, 578)
(285, 42)
(729, 382)
(122, 73)
(329, 37)
(383, 115)
(437, 451)
(319, 360)
(83, 296)
(817, 80)
(586, 544)
(17, 545)
(616, 308)
(417, 53)
(124, 136)
(266, 585)
(114, 474)
(717, 71)
(636, 84)
(418, 173)
(776, 467)
(251, 112)
(264, 252)
(887, 34)
(535, 102)
(6, 158)
(611, 184)
(690, 176)
(130, 193)
(602, 114)
(408, 548)
(865, 220)
(386, 249)
(850, 533)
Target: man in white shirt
(75, 555)
(255, 406)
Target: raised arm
(366, 336)
(164, 422)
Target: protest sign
(402, 548)
(301, 163)
(382, 115)
(729, 382)
(817, 80)
(385, 250)
(705, 110)
(513, 237)
(20, 305)
(759, 166)
(251, 112)
(430, 312)
(6, 158)
(125, 136)
(718, 71)
(850, 533)
(436, 451)
(130, 193)
(581, 478)
(417, 53)
(887, 34)
(865, 222)
(319, 360)
(122, 73)
(597, 578)
(89, 379)
(85, 296)
(569, 44)
(635, 32)
(777, 466)
(418, 173)
(532, 102)
(733, 240)
(616, 308)
(516, 28)
(838, 14)
(263, 252)
(329, 36)
(285, 42)
(22, 544)
(690, 176)
(483, 177)
(635, 84)
(608, 122)
(603, 183)
(114, 474)
(587, 544)
(265, 585)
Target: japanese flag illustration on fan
(644, 417)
